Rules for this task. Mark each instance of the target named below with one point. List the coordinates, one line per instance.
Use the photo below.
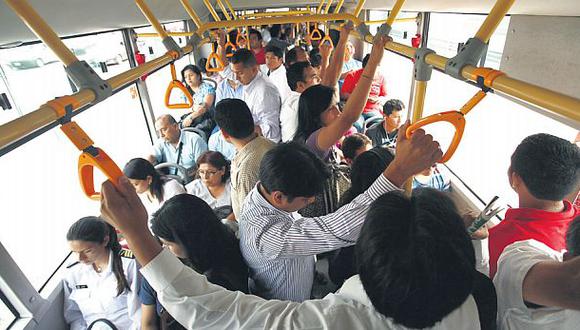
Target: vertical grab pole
(319, 9)
(327, 7)
(234, 15)
(492, 20)
(224, 10)
(395, 12)
(44, 32)
(151, 18)
(359, 7)
(338, 6)
(191, 12)
(211, 10)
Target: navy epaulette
(73, 264)
(126, 253)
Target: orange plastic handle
(327, 39)
(239, 38)
(219, 64)
(102, 161)
(455, 118)
(176, 84)
(315, 35)
(230, 44)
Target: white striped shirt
(279, 246)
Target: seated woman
(187, 226)
(321, 123)
(201, 115)
(103, 284)
(153, 188)
(213, 182)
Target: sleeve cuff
(381, 186)
(162, 270)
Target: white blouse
(197, 188)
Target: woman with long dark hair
(104, 283)
(203, 100)
(321, 123)
(153, 188)
(187, 226)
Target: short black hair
(293, 170)
(315, 57)
(354, 142)
(365, 60)
(235, 118)
(256, 32)
(244, 56)
(277, 51)
(392, 105)
(548, 165)
(415, 258)
(573, 237)
(292, 55)
(295, 73)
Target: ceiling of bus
(71, 17)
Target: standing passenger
(277, 70)
(260, 95)
(105, 284)
(257, 47)
(236, 124)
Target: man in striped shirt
(279, 245)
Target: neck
(276, 68)
(240, 143)
(388, 128)
(216, 190)
(102, 262)
(266, 195)
(532, 203)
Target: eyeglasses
(210, 173)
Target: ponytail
(94, 229)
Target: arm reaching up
(332, 73)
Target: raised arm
(332, 73)
(553, 284)
(330, 134)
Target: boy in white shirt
(538, 287)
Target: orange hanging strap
(315, 34)
(327, 39)
(176, 84)
(230, 45)
(214, 56)
(485, 78)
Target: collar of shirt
(353, 289)
(248, 149)
(258, 79)
(527, 214)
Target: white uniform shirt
(289, 116)
(89, 296)
(278, 78)
(263, 99)
(171, 188)
(513, 265)
(197, 188)
(198, 304)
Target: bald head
(168, 128)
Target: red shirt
(378, 88)
(522, 224)
(261, 56)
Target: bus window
(402, 31)
(6, 314)
(9, 111)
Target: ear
(149, 179)
(277, 196)
(226, 136)
(106, 240)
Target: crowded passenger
(213, 182)
(373, 107)
(350, 63)
(260, 95)
(385, 132)
(203, 100)
(153, 188)
(237, 126)
(296, 54)
(537, 286)
(257, 47)
(215, 76)
(104, 283)
(543, 170)
(354, 145)
(276, 70)
(432, 177)
(188, 228)
(320, 122)
(174, 145)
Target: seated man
(260, 95)
(401, 285)
(385, 132)
(538, 287)
(237, 127)
(354, 145)
(276, 70)
(544, 169)
(279, 245)
(174, 145)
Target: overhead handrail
(224, 10)
(214, 56)
(327, 8)
(229, 5)
(338, 6)
(176, 84)
(319, 8)
(212, 11)
(278, 14)
(359, 7)
(151, 18)
(398, 20)
(457, 118)
(191, 12)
